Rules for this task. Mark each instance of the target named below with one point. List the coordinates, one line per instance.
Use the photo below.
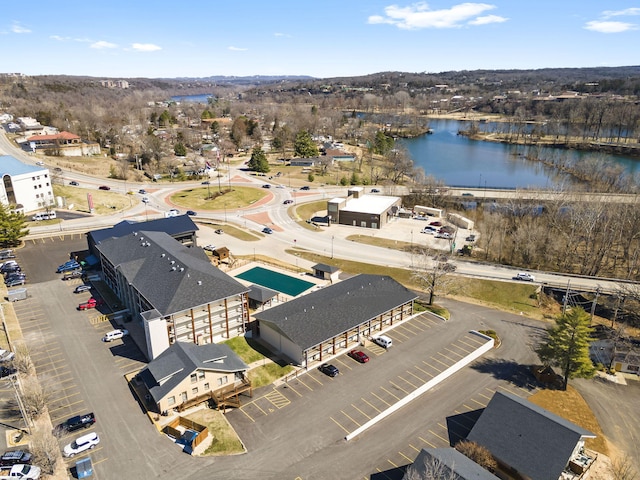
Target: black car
(329, 369)
(104, 187)
(6, 371)
(191, 213)
(14, 282)
(306, 187)
(73, 183)
(77, 422)
(21, 457)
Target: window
(194, 391)
(184, 396)
(223, 380)
(206, 386)
(194, 377)
(171, 400)
(201, 375)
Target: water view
(458, 161)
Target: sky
(329, 38)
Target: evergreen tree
(382, 143)
(180, 150)
(258, 161)
(567, 345)
(11, 227)
(304, 146)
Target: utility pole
(595, 302)
(566, 298)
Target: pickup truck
(25, 472)
(76, 423)
(15, 457)
(91, 303)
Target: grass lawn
(382, 242)
(251, 351)
(267, 374)
(203, 198)
(248, 352)
(225, 440)
(104, 202)
(232, 230)
(571, 406)
(308, 210)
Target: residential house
(529, 442)
(320, 324)
(186, 374)
(64, 144)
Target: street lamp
(332, 237)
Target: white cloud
(59, 38)
(278, 34)
(487, 19)
(419, 15)
(145, 47)
(238, 49)
(610, 27)
(621, 13)
(102, 44)
(17, 28)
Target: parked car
(142, 191)
(435, 224)
(525, 277)
(20, 471)
(115, 335)
(209, 248)
(73, 183)
(6, 254)
(306, 187)
(91, 303)
(82, 288)
(15, 282)
(471, 238)
(68, 268)
(15, 457)
(206, 182)
(375, 190)
(287, 202)
(104, 187)
(329, 369)
(13, 275)
(191, 213)
(6, 356)
(144, 199)
(5, 372)
(383, 341)
(359, 356)
(219, 231)
(267, 230)
(429, 230)
(81, 444)
(76, 423)
(73, 274)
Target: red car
(436, 224)
(359, 356)
(91, 303)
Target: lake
(458, 161)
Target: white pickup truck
(25, 472)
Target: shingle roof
(170, 276)
(534, 441)
(12, 166)
(261, 294)
(182, 359)
(323, 267)
(447, 461)
(311, 319)
(171, 225)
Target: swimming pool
(276, 281)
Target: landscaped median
(488, 345)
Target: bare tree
(429, 468)
(434, 275)
(477, 453)
(34, 397)
(22, 359)
(622, 469)
(45, 449)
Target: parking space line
(370, 404)
(475, 341)
(381, 399)
(394, 465)
(415, 448)
(406, 327)
(341, 362)
(340, 425)
(390, 334)
(445, 365)
(454, 353)
(381, 472)
(410, 460)
(248, 416)
(452, 360)
(454, 344)
(472, 347)
(436, 435)
(65, 406)
(361, 411)
(347, 415)
(289, 387)
(398, 387)
(277, 399)
(431, 366)
(470, 409)
(397, 398)
(428, 443)
(304, 384)
(52, 377)
(414, 375)
(511, 391)
(479, 403)
(407, 381)
(313, 378)
(424, 371)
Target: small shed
(260, 296)
(326, 272)
(221, 254)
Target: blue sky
(136, 38)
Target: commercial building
(360, 210)
(25, 188)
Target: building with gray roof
(25, 188)
(528, 441)
(445, 464)
(185, 374)
(318, 325)
(171, 290)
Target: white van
(44, 216)
(383, 341)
